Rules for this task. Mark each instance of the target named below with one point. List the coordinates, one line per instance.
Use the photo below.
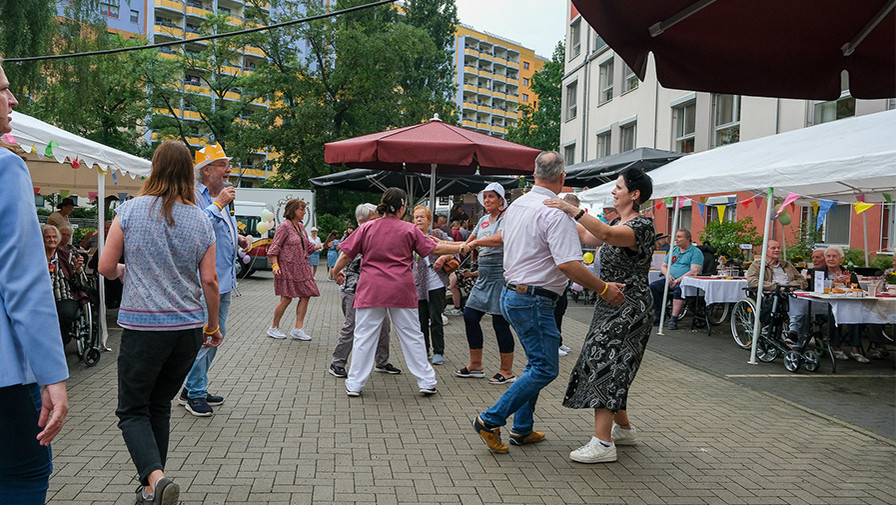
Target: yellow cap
(209, 154)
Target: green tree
(27, 28)
(539, 126)
(727, 236)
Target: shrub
(727, 236)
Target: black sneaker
(673, 323)
(428, 391)
(199, 407)
(388, 368)
(210, 399)
(338, 371)
(182, 399)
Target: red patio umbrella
(785, 49)
(433, 147)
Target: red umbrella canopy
(786, 49)
(416, 148)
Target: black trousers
(430, 312)
(152, 366)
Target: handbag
(450, 265)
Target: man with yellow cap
(214, 195)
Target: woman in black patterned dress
(616, 340)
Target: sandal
(500, 379)
(466, 373)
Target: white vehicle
(248, 215)
(276, 200)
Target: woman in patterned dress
(617, 337)
(288, 254)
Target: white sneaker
(274, 332)
(565, 348)
(624, 437)
(444, 319)
(594, 452)
(299, 334)
(562, 352)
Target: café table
(714, 290)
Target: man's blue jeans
(533, 319)
(197, 379)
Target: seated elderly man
(779, 272)
(67, 275)
(687, 261)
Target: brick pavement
(289, 435)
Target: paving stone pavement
(288, 434)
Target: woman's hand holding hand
(437, 265)
(559, 203)
(276, 269)
(340, 277)
(213, 340)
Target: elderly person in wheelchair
(68, 278)
(779, 272)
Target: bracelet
(606, 285)
(218, 206)
(579, 215)
(460, 249)
(205, 330)
(275, 266)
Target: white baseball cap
(497, 188)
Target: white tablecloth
(715, 290)
(850, 310)
(653, 275)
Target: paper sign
(819, 281)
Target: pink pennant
(91, 196)
(75, 163)
(758, 200)
(9, 139)
(681, 201)
(860, 197)
(791, 197)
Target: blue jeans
(197, 379)
(25, 465)
(656, 287)
(532, 317)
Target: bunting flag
(48, 152)
(732, 200)
(862, 207)
(34, 149)
(758, 200)
(36, 190)
(681, 201)
(64, 193)
(721, 209)
(9, 139)
(91, 196)
(114, 178)
(747, 202)
(668, 201)
(860, 197)
(75, 163)
(702, 207)
(823, 207)
(659, 205)
(814, 206)
(793, 207)
(703, 199)
(791, 197)
(122, 196)
(888, 198)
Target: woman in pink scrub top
(386, 288)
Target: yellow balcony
(512, 81)
(168, 56)
(164, 112)
(252, 172)
(500, 129)
(498, 94)
(467, 122)
(196, 11)
(485, 73)
(468, 50)
(192, 114)
(470, 87)
(484, 126)
(171, 31)
(191, 35)
(254, 51)
(201, 90)
(484, 91)
(484, 108)
(196, 141)
(471, 69)
(230, 95)
(234, 21)
(260, 101)
(227, 69)
(169, 4)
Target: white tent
(837, 160)
(56, 172)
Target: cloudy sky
(538, 24)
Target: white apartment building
(607, 110)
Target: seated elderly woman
(833, 258)
(66, 275)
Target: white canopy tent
(55, 173)
(838, 161)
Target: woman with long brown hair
(166, 239)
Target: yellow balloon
(261, 228)
(588, 258)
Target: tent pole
(865, 229)
(675, 208)
(432, 191)
(756, 324)
(100, 243)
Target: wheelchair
(771, 341)
(85, 328)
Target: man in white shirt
(541, 250)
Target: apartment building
(493, 76)
(607, 110)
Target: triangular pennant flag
(746, 203)
(668, 201)
(860, 197)
(823, 209)
(791, 197)
(91, 196)
(702, 207)
(64, 193)
(888, 198)
(9, 139)
(48, 152)
(33, 148)
(732, 200)
(114, 178)
(814, 206)
(36, 190)
(681, 201)
(862, 207)
(758, 200)
(793, 206)
(75, 163)
(659, 205)
(721, 209)
(703, 199)
(122, 196)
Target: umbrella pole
(756, 323)
(432, 191)
(659, 330)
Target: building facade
(493, 76)
(607, 110)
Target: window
(684, 217)
(629, 79)
(835, 109)
(627, 136)
(525, 65)
(525, 97)
(575, 38)
(135, 16)
(571, 110)
(569, 154)
(835, 229)
(606, 82)
(604, 144)
(683, 121)
(108, 9)
(726, 119)
(887, 225)
(525, 81)
(599, 43)
(712, 212)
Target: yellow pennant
(862, 207)
(721, 209)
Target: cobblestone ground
(288, 434)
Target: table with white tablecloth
(847, 309)
(715, 289)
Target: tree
(27, 28)
(540, 125)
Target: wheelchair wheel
(91, 357)
(766, 351)
(812, 361)
(718, 312)
(792, 361)
(742, 318)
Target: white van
(248, 215)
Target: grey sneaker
(624, 437)
(275, 332)
(166, 492)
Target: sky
(537, 24)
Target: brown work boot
(492, 436)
